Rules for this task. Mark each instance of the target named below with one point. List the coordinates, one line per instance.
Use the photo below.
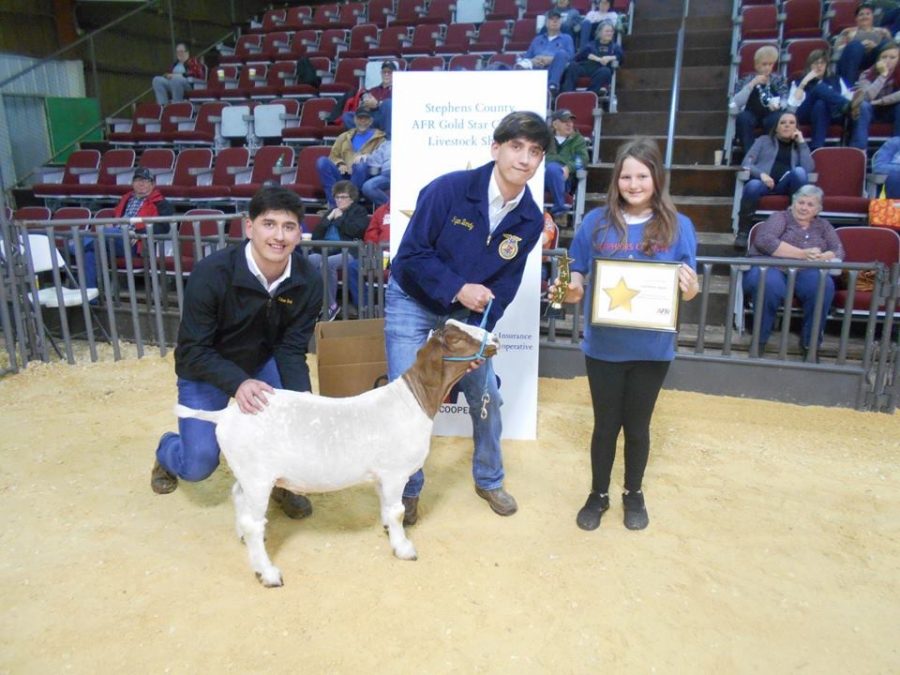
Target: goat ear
(432, 355)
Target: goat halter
(485, 396)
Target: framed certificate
(635, 294)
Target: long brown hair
(660, 231)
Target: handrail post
(676, 84)
(95, 77)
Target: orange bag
(884, 212)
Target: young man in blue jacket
(466, 245)
(249, 312)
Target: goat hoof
(270, 579)
(406, 552)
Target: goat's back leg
(250, 514)
(390, 492)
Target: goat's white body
(309, 443)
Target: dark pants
(600, 76)
(755, 189)
(855, 59)
(746, 123)
(623, 395)
(805, 288)
(821, 106)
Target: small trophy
(556, 309)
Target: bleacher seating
(81, 166)
(865, 244)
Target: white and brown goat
(307, 443)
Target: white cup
(221, 74)
(717, 157)
(252, 73)
(306, 236)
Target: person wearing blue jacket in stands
(463, 254)
(596, 61)
(887, 161)
(626, 366)
(551, 51)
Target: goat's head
(444, 360)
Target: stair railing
(676, 84)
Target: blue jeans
(859, 134)
(407, 325)
(600, 76)
(746, 122)
(821, 105)
(329, 175)
(776, 288)
(855, 59)
(374, 188)
(788, 184)
(113, 234)
(335, 261)
(193, 453)
(892, 185)
(557, 185)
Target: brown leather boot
(161, 481)
(502, 503)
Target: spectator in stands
(551, 51)
(249, 312)
(818, 99)
(887, 162)
(462, 256)
(571, 18)
(348, 155)
(173, 85)
(759, 97)
(145, 200)
(377, 101)
(596, 61)
(345, 222)
(599, 13)
(567, 147)
(798, 233)
(779, 163)
(858, 46)
(377, 232)
(876, 96)
(379, 171)
(626, 366)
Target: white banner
(443, 122)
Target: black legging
(623, 395)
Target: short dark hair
(345, 187)
(863, 5)
(275, 198)
(523, 124)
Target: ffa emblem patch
(509, 247)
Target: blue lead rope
(485, 397)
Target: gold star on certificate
(620, 295)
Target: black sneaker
(636, 517)
(588, 517)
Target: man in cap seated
(567, 150)
(347, 159)
(551, 51)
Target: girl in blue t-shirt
(626, 366)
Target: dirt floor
(774, 546)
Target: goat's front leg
(250, 503)
(390, 492)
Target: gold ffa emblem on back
(509, 247)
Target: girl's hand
(688, 282)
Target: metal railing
(676, 85)
(139, 300)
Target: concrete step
(693, 39)
(667, 16)
(692, 77)
(656, 123)
(689, 150)
(658, 100)
(651, 58)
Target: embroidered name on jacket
(468, 224)
(286, 301)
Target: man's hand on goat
(251, 396)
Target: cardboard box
(350, 356)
